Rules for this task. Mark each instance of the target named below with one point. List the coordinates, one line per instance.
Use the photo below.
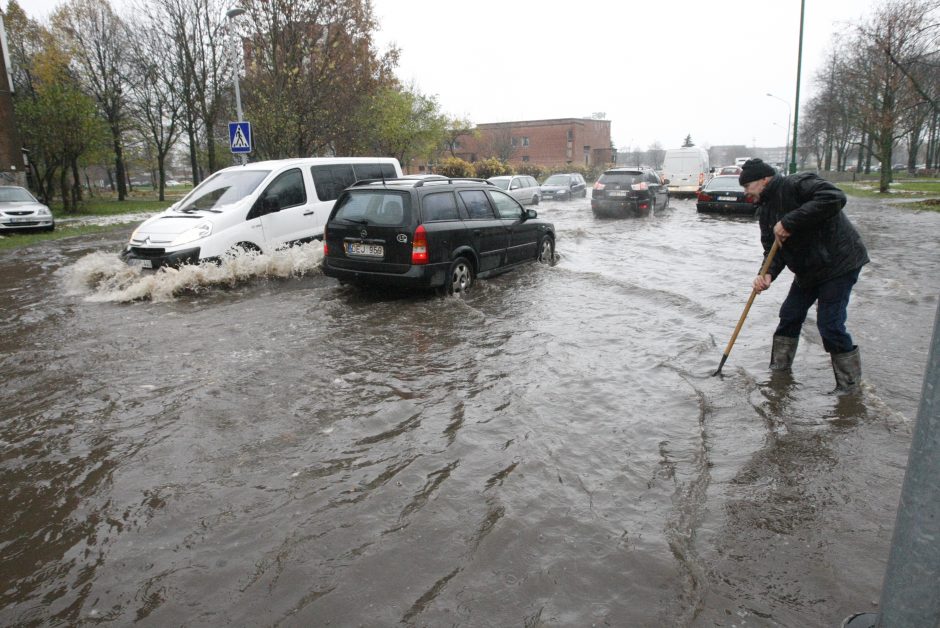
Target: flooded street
(256, 445)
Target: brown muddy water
(255, 445)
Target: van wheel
(460, 277)
(246, 247)
(546, 250)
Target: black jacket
(823, 243)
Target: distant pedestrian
(824, 252)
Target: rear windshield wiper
(358, 221)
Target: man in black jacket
(824, 252)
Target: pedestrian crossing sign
(239, 135)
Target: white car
(20, 210)
(259, 206)
(521, 187)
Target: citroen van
(259, 206)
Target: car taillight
(419, 246)
(324, 242)
(599, 186)
(640, 187)
(702, 196)
(701, 178)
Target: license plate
(22, 219)
(140, 263)
(617, 193)
(727, 198)
(368, 250)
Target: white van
(259, 206)
(686, 168)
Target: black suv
(629, 191)
(432, 233)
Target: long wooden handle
(747, 308)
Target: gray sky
(658, 70)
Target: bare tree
(97, 41)
(203, 60)
(155, 103)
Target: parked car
(21, 210)
(735, 170)
(563, 187)
(629, 191)
(431, 234)
(521, 187)
(260, 206)
(723, 194)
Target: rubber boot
(782, 352)
(847, 367)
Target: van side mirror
(665, 181)
(271, 204)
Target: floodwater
(255, 445)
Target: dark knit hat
(754, 169)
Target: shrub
(455, 167)
(492, 167)
(533, 170)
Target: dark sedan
(724, 195)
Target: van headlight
(200, 231)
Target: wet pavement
(255, 445)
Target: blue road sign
(239, 136)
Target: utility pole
(796, 108)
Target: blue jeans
(833, 300)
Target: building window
(570, 135)
(525, 140)
(512, 142)
(525, 158)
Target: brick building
(551, 143)
(12, 165)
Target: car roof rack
(422, 182)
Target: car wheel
(584, 193)
(460, 276)
(535, 199)
(653, 207)
(546, 250)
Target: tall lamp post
(231, 14)
(786, 146)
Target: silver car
(521, 187)
(20, 210)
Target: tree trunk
(119, 169)
(161, 174)
(77, 179)
(64, 189)
(193, 161)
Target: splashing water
(103, 277)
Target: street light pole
(231, 14)
(786, 146)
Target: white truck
(686, 169)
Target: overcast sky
(659, 70)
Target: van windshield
(222, 188)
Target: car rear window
(376, 207)
(623, 178)
(439, 206)
(729, 184)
